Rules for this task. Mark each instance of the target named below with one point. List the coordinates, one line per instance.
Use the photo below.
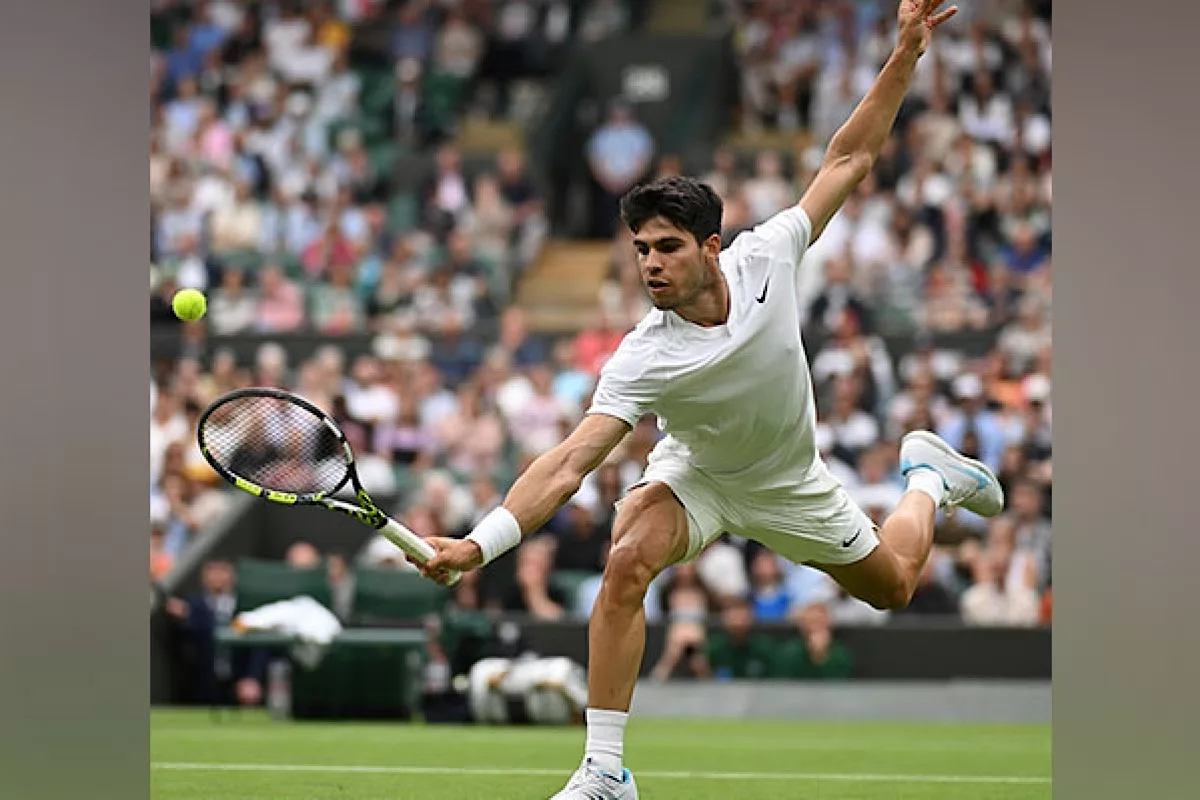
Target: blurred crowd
(260, 198)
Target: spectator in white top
(232, 307)
(768, 191)
(986, 113)
(1023, 340)
(993, 600)
(854, 430)
(602, 19)
(459, 45)
(368, 397)
(167, 425)
(876, 493)
(722, 570)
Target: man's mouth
(655, 284)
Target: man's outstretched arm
(549, 482)
(852, 151)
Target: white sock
(606, 738)
(926, 480)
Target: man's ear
(712, 245)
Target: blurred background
(407, 213)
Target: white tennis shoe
(592, 783)
(969, 483)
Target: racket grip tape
(413, 545)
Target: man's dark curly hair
(684, 202)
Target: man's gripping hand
(450, 556)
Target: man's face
(218, 577)
(672, 263)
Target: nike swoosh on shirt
(851, 540)
(763, 296)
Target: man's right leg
(650, 533)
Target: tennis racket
(282, 448)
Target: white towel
(304, 619)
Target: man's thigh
(651, 519)
(826, 528)
(672, 488)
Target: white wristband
(496, 534)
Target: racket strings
(275, 444)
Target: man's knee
(628, 573)
(651, 533)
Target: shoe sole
(937, 443)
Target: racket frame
(366, 512)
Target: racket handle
(413, 545)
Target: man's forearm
(541, 491)
(868, 128)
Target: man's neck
(711, 308)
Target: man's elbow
(857, 163)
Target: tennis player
(719, 359)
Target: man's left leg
(938, 476)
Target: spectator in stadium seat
(735, 651)
(816, 654)
(524, 347)
(768, 591)
(1032, 533)
(595, 344)
(986, 113)
(446, 194)
(1024, 339)
(220, 675)
(167, 425)
(534, 593)
(619, 154)
(876, 492)
(535, 424)
(403, 441)
(767, 190)
(232, 307)
(931, 597)
(491, 223)
(302, 555)
(161, 561)
(687, 612)
(412, 34)
(529, 211)
(472, 436)
(724, 176)
(449, 500)
(603, 19)
(722, 570)
(854, 430)
(972, 414)
(336, 309)
(581, 540)
(458, 45)
(280, 302)
(341, 586)
(994, 599)
(825, 313)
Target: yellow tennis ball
(189, 304)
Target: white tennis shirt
(735, 400)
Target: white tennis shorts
(804, 526)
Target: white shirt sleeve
(784, 237)
(626, 389)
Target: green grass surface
(250, 757)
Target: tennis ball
(189, 304)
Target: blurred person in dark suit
(221, 675)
